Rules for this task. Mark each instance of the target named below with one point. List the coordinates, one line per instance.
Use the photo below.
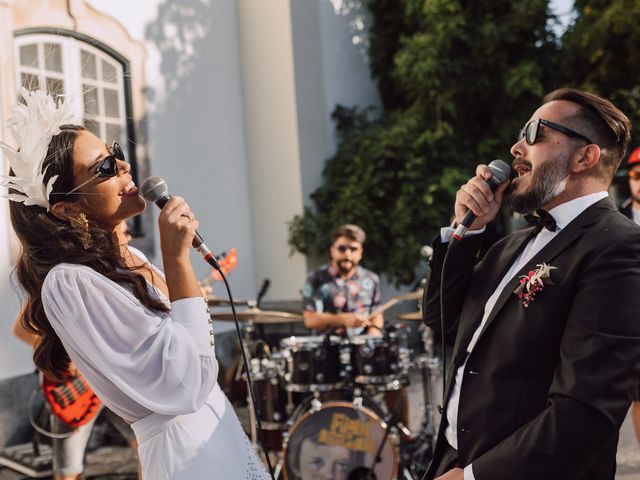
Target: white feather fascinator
(32, 127)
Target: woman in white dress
(142, 340)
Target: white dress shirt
(563, 215)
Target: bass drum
(336, 440)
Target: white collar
(566, 212)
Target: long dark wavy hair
(48, 241)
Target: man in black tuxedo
(548, 336)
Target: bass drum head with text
(334, 441)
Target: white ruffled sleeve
(129, 354)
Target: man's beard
(546, 183)
(345, 266)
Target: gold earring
(81, 224)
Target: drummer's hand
(355, 321)
(455, 474)
(374, 331)
(207, 290)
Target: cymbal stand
(248, 343)
(429, 365)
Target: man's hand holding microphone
(478, 201)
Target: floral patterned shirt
(325, 291)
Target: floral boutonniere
(533, 282)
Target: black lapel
(566, 237)
(517, 241)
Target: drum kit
(323, 400)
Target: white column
(271, 129)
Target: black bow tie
(541, 219)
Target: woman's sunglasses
(107, 168)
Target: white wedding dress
(157, 371)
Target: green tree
(458, 79)
(601, 53)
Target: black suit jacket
(546, 387)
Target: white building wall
(271, 129)
(196, 131)
(347, 78)
(238, 112)
(331, 67)
(15, 357)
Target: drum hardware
(258, 316)
(392, 425)
(316, 404)
(279, 379)
(213, 301)
(379, 361)
(312, 363)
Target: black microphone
(266, 283)
(155, 190)
(500, 171)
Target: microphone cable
(443, 346)
(247, 371)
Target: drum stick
(392, 301)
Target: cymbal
(410, 316)
(256, 315)
(214, 301)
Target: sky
(564, 10)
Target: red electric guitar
(228, 261)
(72, 401)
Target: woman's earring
(81, 224)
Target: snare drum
(378, 360)
(312, 364)
(335, 440)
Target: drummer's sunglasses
(344, 248)
(634, 174)
(107, 168)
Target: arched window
(75, 69)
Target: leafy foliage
(602, 55)
(458, 79)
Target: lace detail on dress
(255, 469)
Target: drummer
(342, 294)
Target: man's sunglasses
(344, 248)
(107, 168)
(530, 131)
(634, 174)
